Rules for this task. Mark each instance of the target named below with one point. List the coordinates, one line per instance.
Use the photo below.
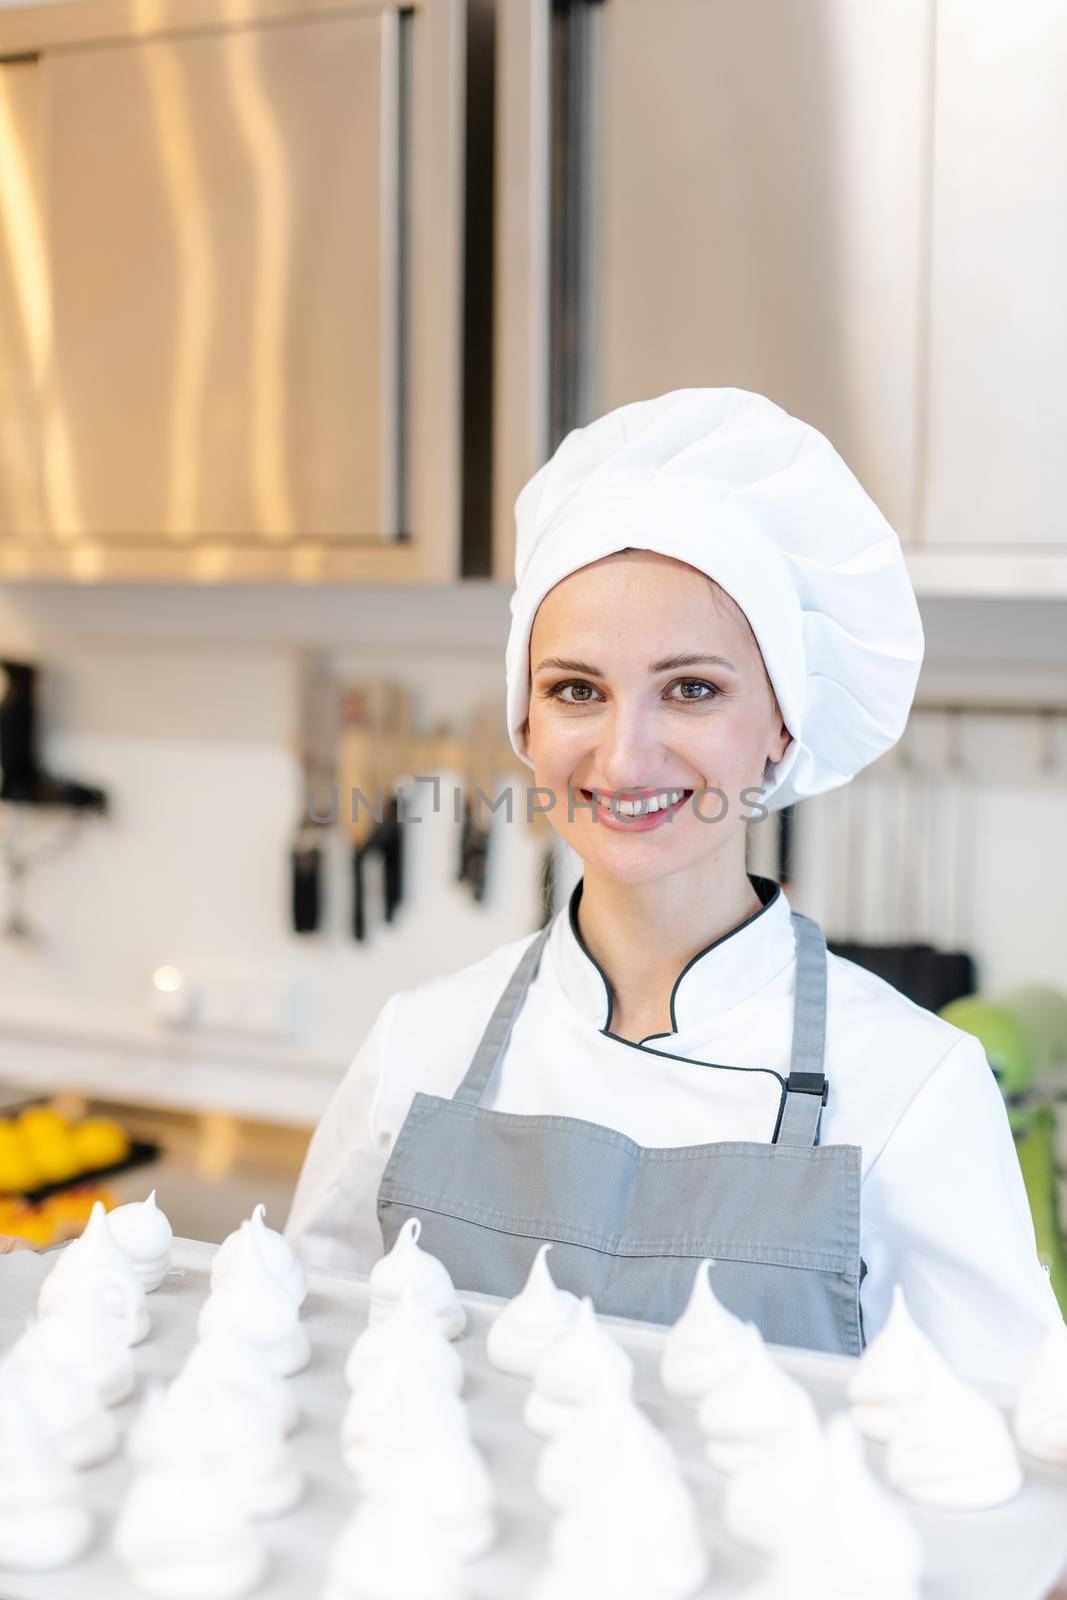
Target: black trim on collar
(768, 892)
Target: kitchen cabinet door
(996, 466)
(732, 195)
(250, 241)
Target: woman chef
(708, 606)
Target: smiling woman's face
(646, 677)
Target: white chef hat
(728, 482)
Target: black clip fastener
(808, 1083)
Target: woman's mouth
(637, 813)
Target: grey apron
(628, 1224)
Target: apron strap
(806, 1085)
(494, 1040)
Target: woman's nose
(629, 753)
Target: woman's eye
(708, 691)
(556, 693)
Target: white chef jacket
(943, 1206)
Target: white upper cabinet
(858, 209)
(231, 316)
(732, 195)
(996, 434)
(758, 182)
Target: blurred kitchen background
(294, 296)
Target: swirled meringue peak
(1041, 1409)
(404, 1434)
(704, 1344)
(891, 1373)
(407, 1264)
(400, 1411)
(527, 1324)
(753, 1410)
(853, 1539)
(860, 1539)
(768, 1502)
(278, 1255)
(608, 1434)
(389, 1551)
(79, 1334)
(144, 1235)
(221, 1357)
(43, 1524)
(216, 1427)
(953, 1450)
(184, 1533)
(251, 1304)
(409, 1340)
(581, 1360)
(65, 1405)
(95, 1260)
(638, 1523)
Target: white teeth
(641, 808)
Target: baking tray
(1015, 1552)
(141, 1153)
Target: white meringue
(403, 1433)
(184, 1533)
(859, 1539)
(953, 1450)
(144, 1235)
(632, 1525)
(399, 1408)
(789, 1578)
(79, 1334)
(1041, 1408)
(704, 1344)
(581, 1360)
(816, 1505)
(407, 1264)
(768, 1503)
(43, 1524)
(221, 1357)
(215, 1427)
(891, 1372)
(410, 1339)
(95, 1259)
(753, 1409)
(251, 1304)
(279, 1257)
(587, 1578)
(388, 1551)
(529, 1322)
(609, 1433)
(67, 1407)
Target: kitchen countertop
(117, 1059)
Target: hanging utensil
(315, 742)
(360, 799)
(479, 776)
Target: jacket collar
(721, 975)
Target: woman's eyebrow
(668, 664)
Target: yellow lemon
(100, 1142)
(42, 1122)
(56, 1155)
(18, 1170)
